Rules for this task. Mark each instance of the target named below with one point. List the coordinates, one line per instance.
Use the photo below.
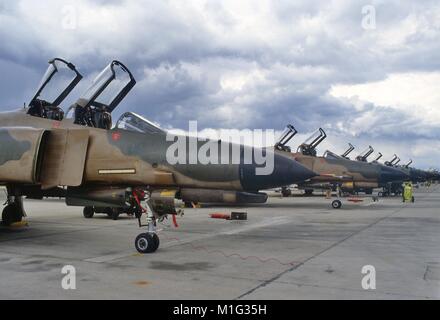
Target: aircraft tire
(156, 241)
(336, 204)
(113, 213)
(286, 193)
(88, 212)
(147, 243)
(11, 214)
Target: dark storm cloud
(231, 64)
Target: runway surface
(290, 248)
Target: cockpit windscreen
(133, 122)
(331, 155)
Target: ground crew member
(407, 192)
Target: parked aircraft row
(78, 155)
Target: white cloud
(416, 94)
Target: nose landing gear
(158, 205)
(147, 242)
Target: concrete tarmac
(289, 248)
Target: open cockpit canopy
(309, 146)
(378, 157)
(285, 137)
(392, 162)
(109, 88)
(363, 156)
(348, 151)
(408, 163)
(133, 122)
(58, 81)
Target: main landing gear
(14, 210)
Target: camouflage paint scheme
(120, 157)
(347, 173)
(18, 147)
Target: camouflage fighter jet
(76, 156)
(415, 176)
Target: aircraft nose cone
(286, 171)
(393, 175)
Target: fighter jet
(415, 176)
(334, 170)
(190, 196)
(76, 155)
(433, 174)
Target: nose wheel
(147, 242)
(336, 204)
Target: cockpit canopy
(109, 88)
(378, 157)
(286, 136)
(363, 156)
(95, 106)
(348, 151)
(408, 163)
(133, 122)
(309, 146)
(392, 161)
(58, 81)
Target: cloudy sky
(366, 71)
